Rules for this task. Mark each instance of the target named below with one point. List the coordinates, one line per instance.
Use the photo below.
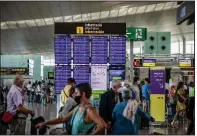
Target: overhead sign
(184, 11)
(90, 28)
(50, 75)
(185, 63)
(136, 34)
(149, 62)
(14, 71)
(137, 62)
(99, 77)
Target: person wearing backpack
(83, 118)
(180, 100)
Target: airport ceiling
(27, 27)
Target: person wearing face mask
(84, 117)
(108, 101)
(16, 113)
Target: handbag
(8, 117)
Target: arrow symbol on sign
(161, 85)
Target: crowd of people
(40, 92)
(119, 112)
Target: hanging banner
(157, 80)
(99, 77)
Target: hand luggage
(36, 121)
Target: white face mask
(120, 90)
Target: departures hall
(97, 68)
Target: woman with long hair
(84, 117)
(180, 104)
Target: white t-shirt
(29, 87)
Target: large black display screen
(62, 73)
(81, 50)
(81, 74)
(99, 49)
(117, 50)
(62, 49)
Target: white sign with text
(99, 77)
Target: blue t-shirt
(145, 91)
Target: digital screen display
(50, 75)
(81, 50)
(99, 49)
(62, 49)
(137, 62)
(185, 63)
(62, 74)
(149, 62)
(117, 50)
(81, 74)
(116, 72)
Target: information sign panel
(185, 63)
(157, 80)
(81, 50)
(62, 49)
(149, 62)
(81, 73)
(99, 77)
(116, 72)
(117, 50)
(99, 49)
(62, 74)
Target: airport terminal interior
(97, 67)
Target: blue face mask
(138, 82)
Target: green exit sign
(136, 34)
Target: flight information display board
(62, 73)
(117, 50)
(62, 49)
(117, 72)
(81, 74)
(81, 50)
(99, 49)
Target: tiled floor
(50, 112)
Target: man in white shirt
(15, 105)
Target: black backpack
(34, 122)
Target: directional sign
(136, 34)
